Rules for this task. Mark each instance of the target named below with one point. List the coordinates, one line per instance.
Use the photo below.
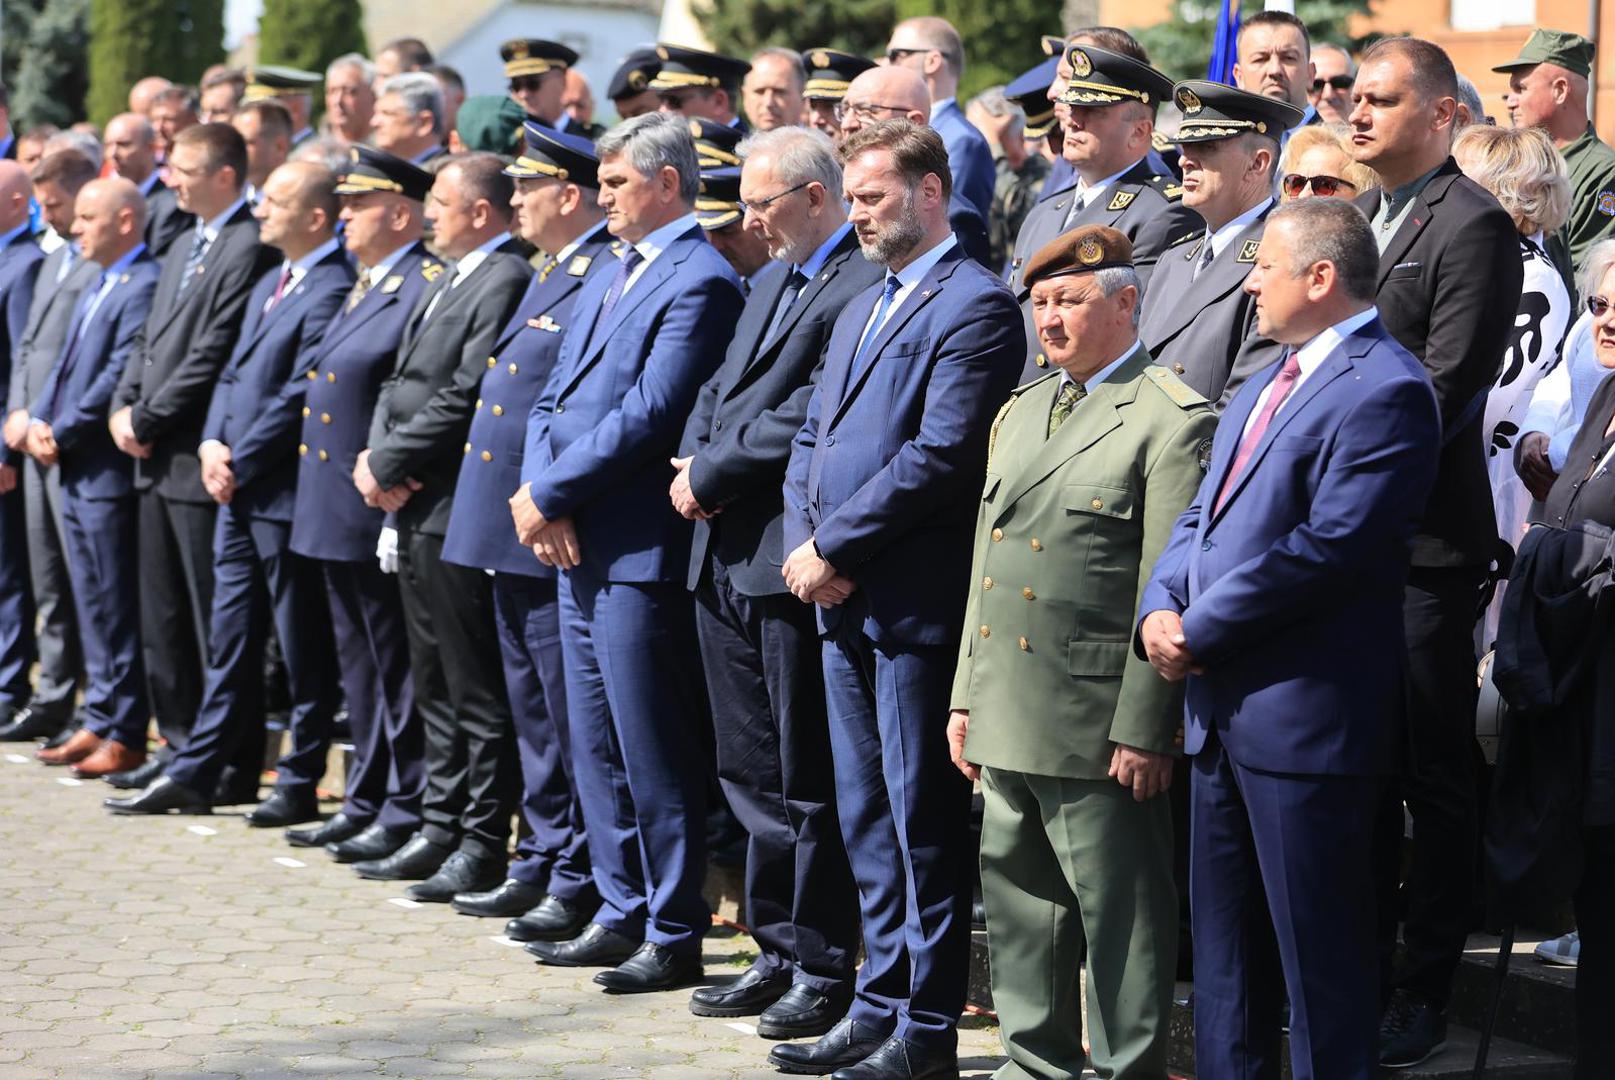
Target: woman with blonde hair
(1317, 161)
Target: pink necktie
(1282, 385)
(280, 289)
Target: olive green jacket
(1068, 532)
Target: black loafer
(374, 841)
(285, 808)
(652, 967)
(801, 1013)
(161, 797)
(843, 1046)
(417, 860)
(554, 919)
(511, 897)
(747, 995)
(340, 827)
(461, 872)
(32, 722)
(138, 778)
(594, 947)
(898, 1060)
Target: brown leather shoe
(110, 757)
(73, 751)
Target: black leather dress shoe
(652, 967)
(160, 797)
(417, 860)
(802, 1013)
(461, 872)
(285, 808)
(31, 722)
(511, 897)
(594, 947)
(748, 995)
(374, 841)
(136, 779)
(899, 1060)
(235, 788)
(843, 1046)
(338, 828)
(554, 919)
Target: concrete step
(1538, 1004)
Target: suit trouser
(176, 595)
(471, 761)
(554, 854)
(257, 576)
(1064, 858)
(898, 794)
(765, 678)
(61, 658)
(1595, 974)
(632, 688)
(388, 776)
(16, 601)
(1437, 781)
(1299, 842)
(99, 535)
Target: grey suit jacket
(46, 331)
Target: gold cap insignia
(661, 51)
(518, 50)
(1189, 102)
(1081, 66)
(637, 80)
(820, 59)
(1090, 251)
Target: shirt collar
(1397, 199)
(910, 275)
(122, 263)
(1220, 238)
(475, 259)
(311, 260)
(657, 241)
(816, 261)
(385, 266)
(7, 238)
(588, 234)
(1306, 117)
(1107, 371)
(426, 155)
(210, 229)
(1085, 190)
(1314, 352)
(942, 103)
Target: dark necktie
(1206, 255)
(193, 262)
(892, 285)
(787, 299)
(630, 260)
(1066, 400)
(1283, 383)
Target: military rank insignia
(1247, 254)
(579, 265)
(1122, 200)
(1606, 203)
(431, 271)
(392, 285)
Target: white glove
(387, 550)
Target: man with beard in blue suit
(880, 500)
(549, 885)
(249, 467)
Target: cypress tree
(309, 34)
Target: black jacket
(164, 219)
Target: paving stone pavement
(195, 948)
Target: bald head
(931, 47)
(15, 191)
(109, 219)
(130, 143)
(896, 88)
(144, 92)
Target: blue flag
(1223, 52)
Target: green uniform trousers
(1065, 860)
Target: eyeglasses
(863, 111)
(1327, 186)
(1598, 305)
(896, 56)
(1336, 82)
(763, 204)
(526, 83)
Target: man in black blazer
(759, 645)
(1449, 284)
(416, 438)
(158, 413)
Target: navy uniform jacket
(19, 265)
(970, 159)
(887, 471)
(358, 351)
(1145, 206)
(92, 467)
(1203, 328)
(424, 411)
(747, 416)
(185, 346)
(600, 434)
(481, 534)
(256, 405)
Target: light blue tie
(892, 285)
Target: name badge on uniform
(1122, 200)
(579, 265)
(545, 323)
(392, 285)
(1247, 254)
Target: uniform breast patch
(1247, 254)
(1122, 200)
(1606, 203)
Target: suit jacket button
(512, 368)
(324, 456)
(1205, 545)
(330, 376)
(467, 449)
(307, 410)
(313, 375)
(829, 440)
(986, 583)
(998, 534)
(986, 632)
(487, 456)
(560, 409)
(302, 448)
(325, 418)
(717, 425)
(1178, 368)
(1028, 593)
(498, 410)
(1037, 545)
(1026, 646)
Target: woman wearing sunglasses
(1317, 162)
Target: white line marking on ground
(403, 902)
(744, 1029)
(201, 830)
(16, 759)
(289, 862)
(500, 939)
(68, 781)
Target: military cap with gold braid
(1081, 251)
(1101, 77)
(265, 81)
(830, 72)
(719, 203)
(684, 68)
(716, 144)
(1030, 91)
(535, 56)
(370, 170)
(556, 155)
(1213, 111)
(634, 74)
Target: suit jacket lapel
(659, 270)
(925, 290)
(377, 299)
(222, 247)
(1416, 220)
(845, 250)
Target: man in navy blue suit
(382, 218)
(593, 503)
(556, 191)
(931, 47)
(68, 429)
(1279, 597)
(249, 467)
(880, 501)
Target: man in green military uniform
(1072, 737)
(1547, 89)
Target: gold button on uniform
(479, 403)
(499, 410)
(986, 583)
(1041, 360)
(467, 449)
(985, 632)
(1037, 545)
(302, 448)
(492, 363)
(487, 456)
(330, 376)
(325, 418)
(307, 410)
(1098, 504)
(1026, 646)
(1028, 593)
(324, 456)
(512, 369)
(312, 376)
(1178, 368)
(998, 534)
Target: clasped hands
(1166, 648)
(554, 542)
(389, 499)
(812, 580)
(217, 476)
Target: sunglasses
(897, 56)
(526, 82)
(1598, 305)
(1327, 186)
(1336, 82)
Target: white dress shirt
(1310, 356)
(654, 243)
(907, 279)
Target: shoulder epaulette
(1170, 187)
(1003, 413)
(431, 270)
(1182, 394)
